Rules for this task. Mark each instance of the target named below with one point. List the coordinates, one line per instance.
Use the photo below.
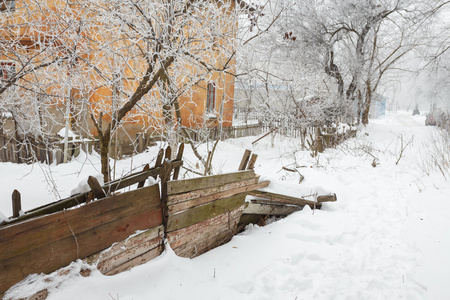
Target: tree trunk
(104, 155)
(366, 110)
(359, 107)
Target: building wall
(193, 103)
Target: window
(7, 71)
(211, 98)
(7, 5)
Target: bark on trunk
(104, 156)
(366, 110)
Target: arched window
(211, 98)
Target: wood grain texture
(182, 186)
(181, 236)
(81, 198)
(269, 209)
(177, 198)
(24, 237)
(131, 242)
(176, 170)
(128, 254)
(252, 162)
(192, 250)
(203, 236)
(204, 212)
(240, 187)
(327, 198)
(139, 260)
(51, 242)
(285, 199)
(244, 160)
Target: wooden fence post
(251, 164)
(244, 160)
(16, 204)
(168, 154)
(164, 175)
(176, 171)
(146, 168)
(96, 188)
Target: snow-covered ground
(387, 236)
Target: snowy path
(387, 236)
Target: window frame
(210, 98)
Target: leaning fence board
(208, 198)
(131, 242)
(207, 232)
(81, 198)
(193, 232)
(32, 234)
(285, 199)
(139, 260)
(182, 186)
(206, 235)
(53, 256)
(75, 239)
(106, 265)
(269, 209)
(205, 245)
(201, 213)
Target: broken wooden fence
(203, 213)
(195, 215)
(192, 215)
(265, 204)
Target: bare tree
(356, 42)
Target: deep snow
(387, 236)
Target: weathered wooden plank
(176, 170)
(168, 154)
(177, 198)
(53, 256)
(196, 231)
(96, 188)
(16, 203)
(135, 178)
(182, 186)
(327, 198)
(244, 160)
(204, 212)
(142, 183)
(131, 242)
(164, 175)
(159, 158)
(81, 198)
(206, 233)
(219, 195)
(285, 199)
(203, 246)
(269, 209)
(26, 236)
(128, 254)
(139, 260)
(251, 163)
